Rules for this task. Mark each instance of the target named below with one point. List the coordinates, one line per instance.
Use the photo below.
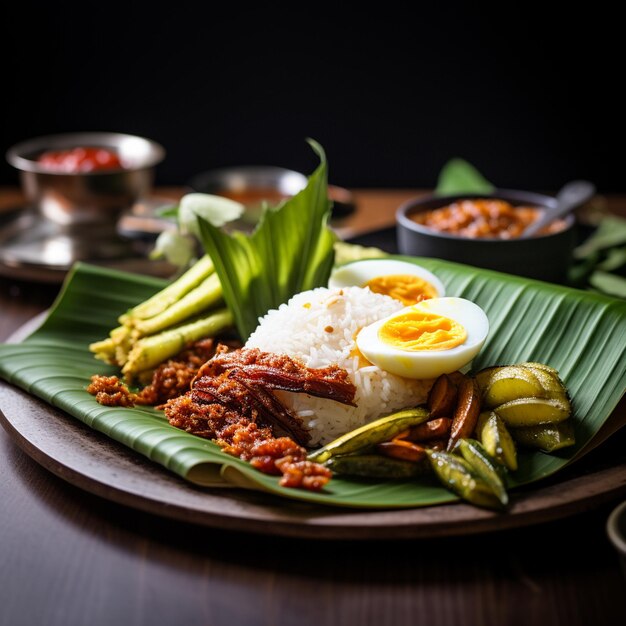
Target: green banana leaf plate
(580, 333)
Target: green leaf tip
(290, 250)
(458, 176)
(317, 148)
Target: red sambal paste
(81, 159)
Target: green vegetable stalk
(148, 352)
(195, 292)
(201, 298)
(195, 275)
(291, 250)
(600, 261)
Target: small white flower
(174, 247)
(215, 209)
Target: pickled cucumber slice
(553, 386)
(483, 376)
(365, 437)
(376, 466)
(459, 477)
(541, 366)
(546, 437)
(537, 380)
(533, 411)
(490, 470)
(496, 439)
(511, 383)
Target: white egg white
(426, 364)
(359, 273)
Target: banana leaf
(580, 333)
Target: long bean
(148, 352)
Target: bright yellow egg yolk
(404, 287)
(420, 331)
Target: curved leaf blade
(580, 333)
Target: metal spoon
(571, 196)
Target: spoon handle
(571, 196)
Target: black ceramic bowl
(544, 257)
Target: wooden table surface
(70, 558)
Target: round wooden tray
(100, 465)
(92, 461)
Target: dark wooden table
(70, 558)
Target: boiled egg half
(401, 280)
(430, 338)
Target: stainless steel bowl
(252, 185)
(244, 178)
(73, 217)
(98, 198)
(257, 185)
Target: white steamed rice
(319, 327)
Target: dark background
(532, 100)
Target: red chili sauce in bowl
(484, 218)
(80, 159)
(256, 197)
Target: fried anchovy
(284, 373)
(243, 380)
(251, 401)
(278, 414)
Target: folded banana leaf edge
(581, 334)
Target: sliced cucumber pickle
(376, 466)
(458, 475)
(546, 437)
(511, 383)
(490, 470)
(541, 366)
(552, 385)
(484, 376)
(496, 439)
(533, 411)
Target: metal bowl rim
(14, 154)
(219, 176)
